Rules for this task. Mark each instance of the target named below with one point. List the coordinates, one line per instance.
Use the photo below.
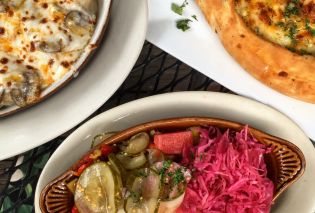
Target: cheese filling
(43, 38)
(289, 23)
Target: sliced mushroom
(6, 99)
(18, 97)
(78, 22)
(49, 46)
(28, 91)
(32, 90)
(90, 6)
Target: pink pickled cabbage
(229, 173)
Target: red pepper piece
(173, 143)
(106, 149)
(82, 168)
(74, 209)
(87, 159)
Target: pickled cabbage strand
(230, 174)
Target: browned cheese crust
(275, 66)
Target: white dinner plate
(298, 198)
(102, 76)
(201, 48)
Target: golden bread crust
(275, 66)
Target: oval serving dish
(103, 14)
(285, 164)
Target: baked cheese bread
(274, 40)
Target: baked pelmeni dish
(40, 42)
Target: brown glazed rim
(80, 69)
(47, 202)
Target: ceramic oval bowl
(103, 14)
(285, 164)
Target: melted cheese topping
(289, 23)
(36, 35)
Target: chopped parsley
(166, 166)
(178, 176)
(173, 179)
(183, 24)
(179, 9)
(142, 173)
(280, 24)
(194, 17)
(309, 28)
(292, 9)
(292, 31)
(170, 174)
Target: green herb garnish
(170, 174)
(142, 173)
(183, 24)
(309, 28)
(179, 9)
(178, 176)
(280, 24)
(292, 31)
(166, 166)
(292, 9)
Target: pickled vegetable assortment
(161, 172)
